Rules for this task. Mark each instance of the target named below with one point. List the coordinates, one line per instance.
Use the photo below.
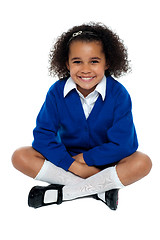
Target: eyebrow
(76, 58)
(92, 58)
(96, 58)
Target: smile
(86, 79)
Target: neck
(85, 92)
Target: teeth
(87, 78)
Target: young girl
(85, 141)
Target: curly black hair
(113, 47)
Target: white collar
(101, 87)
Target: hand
(79, 158)
(83, 170)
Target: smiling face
(87, 65)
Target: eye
(95, 61)
(77, 62)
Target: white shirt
(89, 101)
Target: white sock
(98, 183)
(54, 175)
(81, 187)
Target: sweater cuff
(65, 164)
(87, 159)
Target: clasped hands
(80, 168)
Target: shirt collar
(101, 87)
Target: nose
(85, 69)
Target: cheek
(100, 70)
(74, 70)
(73, 73)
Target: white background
(27, 31)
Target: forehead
(85, 48)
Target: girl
(85, 141)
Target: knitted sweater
(105, 137)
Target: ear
(67, 65)
(107, 66)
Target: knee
(18, 158)
(144, 164)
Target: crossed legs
(127, 171)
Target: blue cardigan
(107, 136)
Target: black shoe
(36, 195)
(111, 198)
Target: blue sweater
(107, 136)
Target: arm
(122, 138)
(46, 140)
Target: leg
(133, 168)
(33, 164)
(128, 171)
(98, 183)
(103, 181)
(28, 161)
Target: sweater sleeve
(121, 136)
(46, 138)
